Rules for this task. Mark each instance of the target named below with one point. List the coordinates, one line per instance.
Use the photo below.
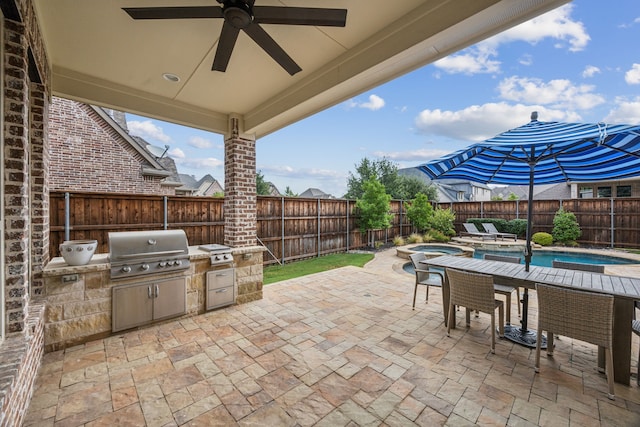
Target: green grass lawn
(276, 273)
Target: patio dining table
(625, 291)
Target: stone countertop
(99, 262)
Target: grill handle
(157, 291)
(149, 292)
(148, 254)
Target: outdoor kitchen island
(79, 302)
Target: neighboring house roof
(205, 186)
(540, 192)
(273, 190)
(316, 194)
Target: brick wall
(88, 154)
(25, 216)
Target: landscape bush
(542, 239)
(566, 229)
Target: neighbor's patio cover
(561, 152)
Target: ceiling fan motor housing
(237, 13)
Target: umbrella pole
(523, 335)
(527, 249)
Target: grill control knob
(126, 269)
(144, 267)
(177, 262)
(162, 264)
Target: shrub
(566, 229)
(516, 226)
(414, 238)
(436, 236)
(398, 241)
(442, 221)
(542, 239)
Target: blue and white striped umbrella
(558, 152)
(545, 153)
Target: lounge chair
(473, 231)
(491, 229)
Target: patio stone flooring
(338, 348)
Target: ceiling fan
(243, 15)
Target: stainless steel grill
(143, 253)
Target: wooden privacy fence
(290, 227)
(294, 228)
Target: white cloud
(413, 155)
(475, 60)
(177, 153)
(632, 76)
(479, 122)
(199, 142)
(590, 71)
(625, 111)
(205, 164)
(374, 103)
(559, 93)
(556, 24)
(147, 130)
(304, 173)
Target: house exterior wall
(87, 154)
(24, 144)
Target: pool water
(441, 249)
(540, 258)
(545, 258)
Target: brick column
(240, 218)
(39, 142)
(16, 190)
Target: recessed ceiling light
(171, 77)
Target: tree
(412, 186)
(386, 172)
(262, 186)
(374, 206)
(289, 193)
(420, 212)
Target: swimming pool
(545, 258)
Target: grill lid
(129, 246)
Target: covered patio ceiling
(100, 55)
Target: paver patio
(337, 348)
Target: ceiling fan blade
(264, 40)
(227, 41)
(186, 12)
(300, 16)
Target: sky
(578, 63)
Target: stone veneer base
(78, 299)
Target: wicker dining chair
(474, 291)
(585, 316)
(503, 288)
(423, 275)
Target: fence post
(613, 220)
(282, 227)
(518, 209)
(318, 227)
(347, 225)
(166, 212)
(481, 209)
(66, 216)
